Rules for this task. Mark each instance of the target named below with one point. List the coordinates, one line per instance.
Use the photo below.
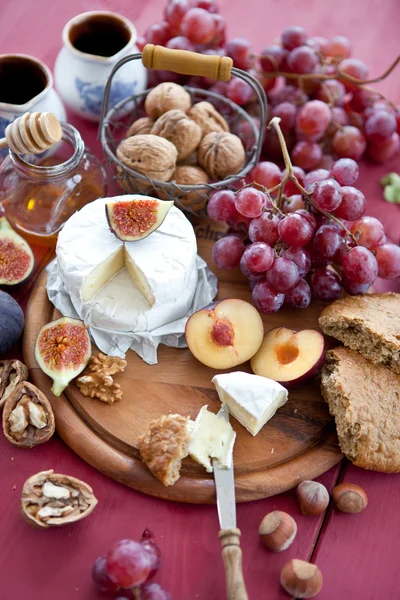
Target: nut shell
(349, 498)
(166, 96)
(301, 579)
(221, 154)
(277, 530)
(313, 498)
(188, 175)
(150, 155)
(207, 117)
(175, 126)
(141, 126)
(12, 372)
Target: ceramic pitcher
(93, 43)
(26, 85)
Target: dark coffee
(21, 79)
(102, 35)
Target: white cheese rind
(212, 437)
(252, 400)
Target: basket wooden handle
(187, 63)
(232, 557)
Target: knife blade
(229, 534)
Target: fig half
(16, 257)
(63, 350)
(135, 217)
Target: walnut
(187, 175)
(166, 96)
(221, 154)
(28, 418)
(140, 127)
(50, 499)
(96, 380)
(164, 445)
(150, 155)
(207, 117)
(175, 126)
(190, 160)
(12, 372)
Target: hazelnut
(221, 154)
(349, 498)
(313, 498)
(175, 126)
(166, 96)
(277, 530)
(140, 126)
(301, 579)
(207, 117)
(150, 155)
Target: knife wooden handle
(232, 557)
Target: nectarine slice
(225, 334)
(288, 356)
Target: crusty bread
(365, 401)
(369, 324)
(164, 445)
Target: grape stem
(290, 176)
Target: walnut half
(97, 382)
(28, 418)
(12, 372)
(50, 499)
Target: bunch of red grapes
(315, 245)
(128, 568)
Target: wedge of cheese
(212, 437)
(251, 399)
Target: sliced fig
(62, 350)
(135, 217)
(11, 322)
(16, 257)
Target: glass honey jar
(39, 193)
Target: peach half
(288, 356)
(225, 334)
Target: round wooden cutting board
(298, 443)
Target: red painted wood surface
(357, 554)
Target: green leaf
(391, 185)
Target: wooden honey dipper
(32, 133)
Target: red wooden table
(357, 554)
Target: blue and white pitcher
(93, 43)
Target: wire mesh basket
(115, 122)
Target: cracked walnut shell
(28, 418)
(175, 126)
(12, 372)
(150, 155)
(140, 126)
(166, 96)
(207, 117)
(50, 499)
(221, 154)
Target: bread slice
(369, 324)
(164, 445)
(365, 401)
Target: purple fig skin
(11, 322)
(144, 235)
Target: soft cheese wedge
(252, 399)
(211, 437)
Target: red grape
(250, 275)
(352, 206)
(238, 222)
(327, 195)
(239, 91)
(326, 162)
(180, 42)
(325, 285)
(312, 178)
(264, 229)
(362, 99)
(360, 265)
(349, 142)
(266, 173)
(320, 44)
(309, 216)
(271, 58)
(209, 5)
(340, 47)
(383, 152)
(290, 188)
(250, 202)
(292, 37)
(345, 171)
(339, 119)
(380, 126)
(332, 92)
(326, 242)
(265, 298)
(221, 205)
(293, 203)
(140, 42)
(287, 114)
(313, 117)
(227, 252)
(299, 296)
(158, 34)
(370, 230)
(388, 259)
(290, 93)
(353, 288)
(153, 591)
(300, 257)
(101, 578)
(295, 230)
(354, 67)
(240, 51)
(283, 274)
(128, 563)
(306, 155)
(220, 32)
(198, 26)
(258, 257)
(302, 60)
(345, 245)
(175, 11)
(148, 542)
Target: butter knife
(229, 534)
